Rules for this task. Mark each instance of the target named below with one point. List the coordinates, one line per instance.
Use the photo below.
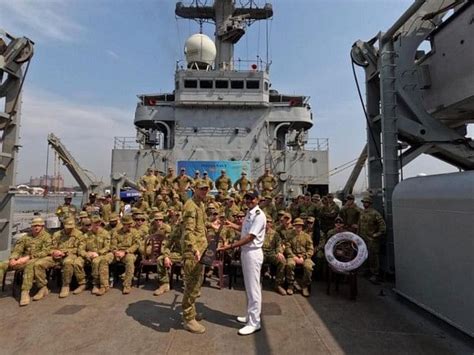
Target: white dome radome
(200, 49)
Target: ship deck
(378, 321)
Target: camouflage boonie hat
(159, 197)
(113, 217)
(83, 214)
(311, 219)
(202, 185)
(298, 222)
(69, 223)
(303, 216)
(154, 209)
(135, 210)
(86, 222)
(286, 215)
(37, 221)
(281, 212)
(241, 214)
(158, 216)
(127, 219)
(96, 219)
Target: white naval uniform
(251, 258)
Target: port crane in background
(15, 59)
(86, 182)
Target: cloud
(87, 131)
(39, 20)
(112, 54)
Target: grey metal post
(225, 50)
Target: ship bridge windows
(253, 84)
(206, 84)
(266, 85)
(236, 84)
(222, 84)
(190, 84)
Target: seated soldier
(170, 253)
(64, 246)
(93, 249)
(114, 223)
(124, 244)
(298, 251)
(273, 254)
(28, 250)
(141, 225)
(157, 227)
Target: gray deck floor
(143, 324)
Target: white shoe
(242, 320)
(248, 329)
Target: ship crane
(87, 184)
(15, 58)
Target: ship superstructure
(223, 110)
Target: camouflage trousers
(163, 276)
(43, 264)
(28, 272)
(149, 196)
(99, 270)
(193, 274)
(373, 247)
(307, 272)
(280, 268)
(129, 261)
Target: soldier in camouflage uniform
(328, 213)
(267, 206)
(350, 213)
(149, 184)
(170, 252)
(196, 179)
(285, 230)
(124, 244)
(207, 180)
(157, 227)
(280, 202)
(194, 243)
(230, 208)
(26, 253)
(141, 225)
(175, 203)
(141, 205)
(92, 207)
(67, 210)
(168, 179)
(93, 249)
(223, 183)
(64, 247)
(299, 251)
(372, 228)
(273, 254)
(267, 182)
(161, 204)
(114, 223)
(243, 184)
(182, 183)
(106, 209)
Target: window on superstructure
(190, 84)
(237, 84)
(266, 86)
(253, 84)
(205, 84)
(222, 84)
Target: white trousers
(252, 260)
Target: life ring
(347, 266)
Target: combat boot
(305, 292)
(194, 327)
(102, 291)
(79, 289)
(126, 290)
(281, 290)
(25, 298)
(289, 291)
(162, 289)
(95, 289)
(42, 293)
(64, 292)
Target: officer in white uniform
(252, 235)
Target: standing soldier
(280, 202)
(124, 245)
(267, 182)
(182, 183)
(92, 207)
(196, 178)
(371, 229)
(299, 251)
(27, 251)
(243, 184)
(350, 214)
(223, 183)
(207, 180)
(168, 179)
(106, 208)
(267, 206)
(328, 213)
(64, 248)
(67, 210)
(194, 243)
(149, 184)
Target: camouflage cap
(154, 209)
(113, 217)
(222, 215)
(86, 222)
(241, 214)
(281, 212)
(243, 173)
(367, 199)
(202, 185)
(197, 172)
(311, 219)
(286, 215)
(83, 214)
(158, 216)
(298, 222)
(127, 219)
(96, 219)
(338, 220)
(69, 223)
(159, 197)
(204, 172)
(303, 216)
(136, 210)
(37, 221)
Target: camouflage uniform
(208, 182)
(149, 183)
(272, 246)
(68, 244)
(193, 239)
(183, 182)
(371, 229)
(267, 182)
(327, 215)
(36, 248)
(128, 242)
(243, 184)
(223, 184)
(98, 242)
(300, 245)
(66, 211)
(106, 211)
(350, 215)
(171, 248)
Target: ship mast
(230, 22)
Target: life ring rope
(340, 266)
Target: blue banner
(214, 167)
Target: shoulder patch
(257, 212)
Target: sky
(92, 57)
